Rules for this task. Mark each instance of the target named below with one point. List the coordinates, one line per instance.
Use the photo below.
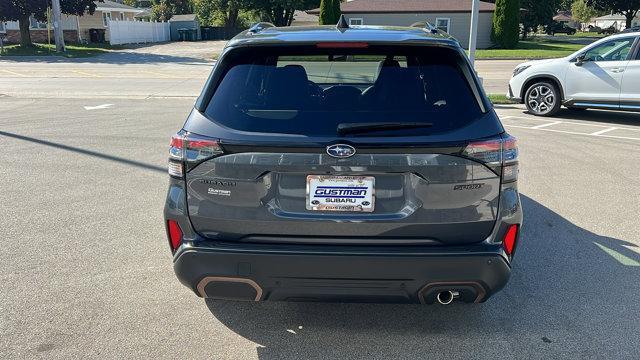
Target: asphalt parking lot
(86, 273)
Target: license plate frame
(340, 193)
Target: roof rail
(426, 25)
(429, 26)
(257, 27)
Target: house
(301, 18)
(188, 24)
(618, 21)
(565, 17)
(452, 16)
(76, 28)
(144, 14)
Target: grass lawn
(587, 34)
(73, 51)
(531, 49)
(499, 99)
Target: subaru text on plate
(343, 164)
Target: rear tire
(543, 99)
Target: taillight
(175, 234)
(510, 239)
(188, 149)
(497, 152)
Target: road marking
(85, 73)
(548, 124)
(573, 132)
(161, 74)
(568, 122)
(624, 260)
(99, 107)
(603, 131)
(13, 73)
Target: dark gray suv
(343, 164)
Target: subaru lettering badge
(341, 150)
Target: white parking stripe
(604, 131)
(573, 132)
(568, 122)
(545, 125)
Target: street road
(85, 270)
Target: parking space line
(569, 122)
(13, 73)
(85, 73)
(573, 132)
(603, 131)
(548, 124)
(622, 259)
(161, 74)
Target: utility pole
(58, 35)
(473, 33)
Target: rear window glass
(310, 91)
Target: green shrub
(506, 23)
(329, 12)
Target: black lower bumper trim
(260, 276)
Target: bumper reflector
(510, 238)
(175, 234)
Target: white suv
(603, 75)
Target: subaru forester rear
(332, 164)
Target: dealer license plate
(340, 193)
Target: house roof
(563, 16)
(184, 17)
(145, 12)
(112, 5)
(408, 6)
(611, 17)
(305, 17)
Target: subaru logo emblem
(341, 150)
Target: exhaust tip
(446, 297)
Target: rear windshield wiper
(355, 128)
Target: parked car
(603, 75)
(632, 29)
(592, 28)
(560, 28)
(608, 31)
(359, 164)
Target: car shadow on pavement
(573, 294)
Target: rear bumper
(315, 274)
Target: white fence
(136, 32)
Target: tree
(21, 10)
(565, 5)
(628, 8)
(329, 12)
(280, 12)
(232, 14)
(583, 12)
(537, 13)
(506, 23)
(162, 10)
(182, 6)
